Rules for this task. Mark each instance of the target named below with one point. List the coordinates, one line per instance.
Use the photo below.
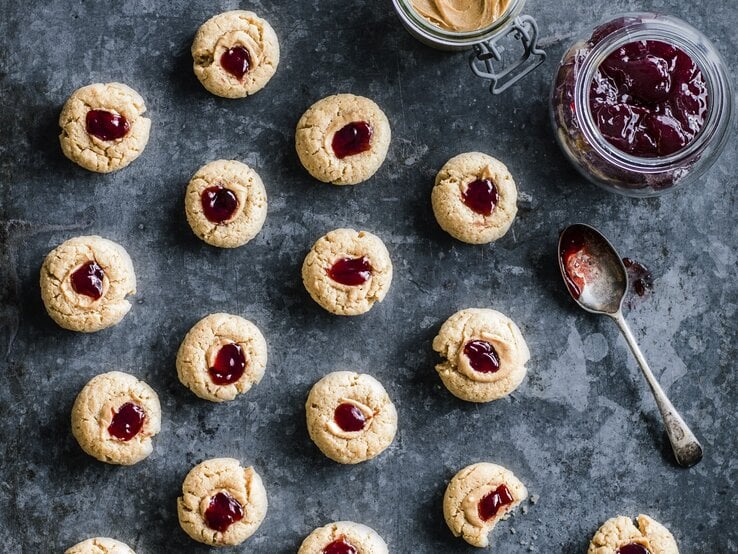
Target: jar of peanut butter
(479, 25)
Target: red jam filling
(481, 196)
(633, 548)
(106, 125)
(230, 363)
(639, 277)
(649, 99)
(236, 61)
(349, 417)
(575, 259)
(353, 138)
(351, 271)
(340, 546)
(88, 280)
(218, 203)
(493, 501)
(127, 421)
(482, 356)
(223, 511)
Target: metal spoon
(597, 280)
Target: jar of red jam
(642, 104)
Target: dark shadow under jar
(595, 155)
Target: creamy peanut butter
(460, 16)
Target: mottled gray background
(582, 431)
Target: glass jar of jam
(642, 104)
(496, 20)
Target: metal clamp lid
(524, 29)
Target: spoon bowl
(592, 269)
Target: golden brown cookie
(103, 128)
(100, 545)
(226, 203)
(222, 503)
(620, 535)
(484, 355)
(474, 198)
(347, 271)
(115, 417)
(221, 357)
(343, 139)
(85, 282)
(346, 537)
(350, 417)
(478, 497)
(235, 54)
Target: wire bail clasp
(524, 29)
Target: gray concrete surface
(582, 431)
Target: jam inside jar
(641, 104)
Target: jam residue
(482, 356)
(88, 280)
(223, 510)
(575, 259)
(127, 421)
(229, 365)
(493, 501)
(351, 271)
(349, 417)
(649, 99)
(639, 277)
(353, 138)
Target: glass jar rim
(651, 26)
(438, 35)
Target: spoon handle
(687, 449)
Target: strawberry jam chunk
(230, 363)
(340, 546)
(106, 125)
(223, 511)
(481, 196)
(493, 502)
(88, 280)
(127, 421)
(482, 356)
(349, 417)
(236, 61)
(351, 271)
(633, 548)
(353, 138)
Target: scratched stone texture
(582, 431)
